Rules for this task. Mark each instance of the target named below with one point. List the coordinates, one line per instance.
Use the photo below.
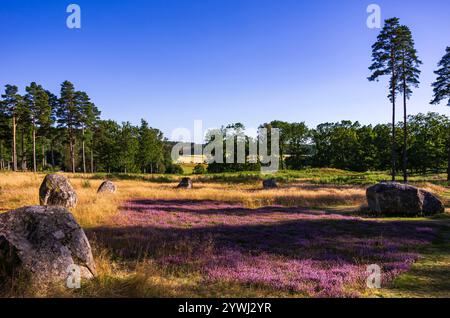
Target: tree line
(42, 131)
(66, 133)
(351, 146)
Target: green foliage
(174, 169)
(151, 149)
(199, 169)
(384, 56)
(441, 87)
(231, 161)
(86, 184)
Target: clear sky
(220, 61)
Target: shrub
(199, 169)
(86, 184)
(174, 169)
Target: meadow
(227, 237)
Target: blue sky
(220, 61)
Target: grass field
(229, 238)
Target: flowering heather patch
(306, 252)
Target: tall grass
(21, 189)
(141, 277)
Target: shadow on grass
(191, 229)
(287, 249)
(430, 277)
(210, 207)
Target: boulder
(185, 183)
(43, 244)
(392, 198)
(57, 190)
(107, 186)
(270, 184)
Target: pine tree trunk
(73, 157)
(14, 126)
(34, 150)
(84, 153)
(92, 156)
(43, 157)
(53, 154)
(23, 155)
(2, 163)
(448, 159)
(405, 134)
(394, 157)
(72, 153)
(393, 82)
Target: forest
(66, 132)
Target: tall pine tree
(441, 87)
(441, 90)
(385, 61)
(68, 117)
(88, 116)
(39, 109)
(13, 107)
(408, 77)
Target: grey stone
(107, 186)
(270, 184)
(185, 183)
(42, 242)
(392, 198)
(56, 190)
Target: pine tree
(145, 146)
(4, 136)
(441, 87)
(128, 147)
(89, 115)
(385, 61)
(441, 90)
(52, 134)
(408, 77)
(12, 105)
(39, 109)
(68, 117)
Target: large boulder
(392, 198)
(185, 183)
(57, 190)
(43, 244)
(107, 186)
(270, 184)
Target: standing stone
(394, 198)
(43, 244)
(185, 183)
(107, 186)
(270, 184)
(431, 204)
(57, 190)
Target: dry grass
(141, 277)
(21, 189)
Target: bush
(86, 184)
(199, 169)
(174, 169)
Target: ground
(229, 238)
